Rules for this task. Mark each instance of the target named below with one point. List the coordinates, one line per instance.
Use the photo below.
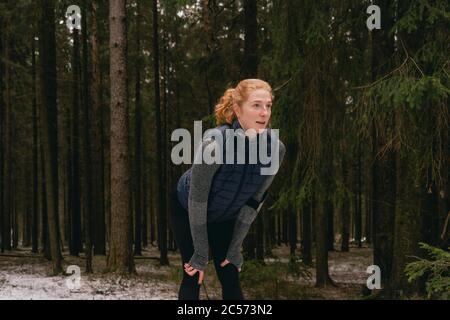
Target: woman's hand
(224, 263)
(190, 270)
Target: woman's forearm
(246, 217)
(201, 180)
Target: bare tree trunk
(43, 207)
(345, 208)
(292, 230)
(120, 258)
(383, 169)
(14, 216)
(207, 15)
(408, 222)
(285, 228)
(415, 201)
(75, 184)
(96, 121)
(86, 154)
(144, 204)
(322, 276)
(48, 117)
(153, 232)
(15, 199)
(2, 125)
(367, 201)
(162, 214)
(138, 141)
(358, 194)
(249, 68)
(324, 202)
(7, 159)
(35, 205)
(306, 244)
(166, 116)
(330, 227)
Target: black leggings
(219, 237)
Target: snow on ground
(350, 267)
(28, 278)
(344, 267)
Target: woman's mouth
(261, 122)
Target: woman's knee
(231, 286)
(228, 275)
(189, 288)
(191, 280)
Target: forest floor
(27, 276)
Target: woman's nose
(265, 111)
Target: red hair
(224, 108)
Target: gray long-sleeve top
(202, 176)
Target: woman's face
(255, 111)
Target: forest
(91, 91)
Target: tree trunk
(324, 199)
(43, 207)
(15, 218)
(345, 209)
(383, 208)
(306, 234)
(358, 194)
(14, 214)
(120, 258)
(138, 141)
(415, 205)
(330, 227)
(48, 123)
(96, 121)
(2, 150)
(35, 174)
(207, 17)
(383, 169)
(144, 205)
(86, 154)
(292, 230)
(322, 276)
(75, 173)
(7, 158)
(249, 67)
(153, 199)
(367, 203)
(162, 214)
(408, 223)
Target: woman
(215, 204)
